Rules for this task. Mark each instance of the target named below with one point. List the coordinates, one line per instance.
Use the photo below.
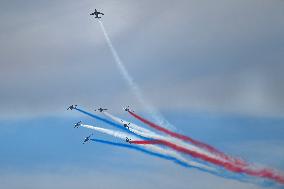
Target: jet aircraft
(87, 138)
(127, 109)
(128, 140)
(78, 124)
(96, 13)
(101, 109)
(126, 125)
(72, 107)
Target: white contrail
(117, 134)
(130, 125)
(153, 148)
(150, 134)
(134, 87)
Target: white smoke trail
(117, 134)
(130, 125)
(153, 148)
(134, 87)
(150, 134)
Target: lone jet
(96, 13)
(72, 107)
(87, 138)
(128, 140)
(126, 125)
(78, 124)
(101, 109)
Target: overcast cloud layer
(212, 56)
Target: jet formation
(79, 123)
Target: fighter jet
(127, 109)
(128, 140)
(78, 124)
(87, 138)
(96, 13)
(126, 125)
(72, 107)
(101, 109)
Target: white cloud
(54, 54)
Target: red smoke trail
(188, 139)
(264, 173)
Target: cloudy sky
(213, 68)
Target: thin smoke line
(133, 86)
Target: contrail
(133, 86)
(153, 148)
(152, 135)
(119, 126)
(202, 163)
(221, 173)
(232, 164)
(129, 124)
(247, 169)
(188, 139)
(137, 133)
(116, 134)
(135, 147)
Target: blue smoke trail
(110, 123)
(135, 147)
(224, 173)
(141, 150)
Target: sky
(213, 69)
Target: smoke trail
(234, 165)
(151, 135)
(263, 173)
(130, 125)
(166, 152)
(116, 134)
(188, 139)
(122, 135)
(142, 150)
(223, 174)
(134, 87)
(119, 126)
